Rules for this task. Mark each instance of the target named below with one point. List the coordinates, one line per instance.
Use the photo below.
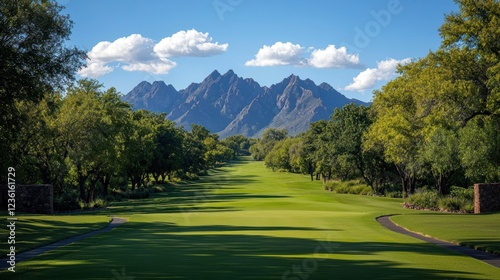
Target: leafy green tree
(238, 143)
(39, 146)
(456, 88)
(307, 150)
(270, 137)
(116, 114)
(34, 60)
(137, 144)
(279, 158)
(441, 152)
(167, 156)
(323, 154)
(471, 49)
(397, 129)
(479, 150)
(193, 154)
(349, 124)
(81, 125)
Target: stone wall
(38, 199)
(486, 198)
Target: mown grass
(32, 231)
(477, 231)
(245, 222)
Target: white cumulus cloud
(278, 54)
(125, 49)
(95, 69)
(189, 43)
(293, 54)
(154, 67)
(385, 70)
(138, 53)
(331, 57)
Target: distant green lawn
(478, 231)
(245, 222)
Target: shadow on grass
(165, 250)
(195, 196)
(32, 232)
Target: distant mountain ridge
(230, 105)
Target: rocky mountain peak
(229, 105)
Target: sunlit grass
(478, 231)
(36, 230)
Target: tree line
(91, 140)
(437, 124)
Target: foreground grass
(478, 231)
(37, 230)
(245, 222)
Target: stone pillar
(486, 198)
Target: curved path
(486, 257)
(43, 249)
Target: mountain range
(228, 104)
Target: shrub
(456, 204)
(341, 188)
(394, 194)
(331, 185)
(137, 194)
(67, 201)
(157, 189)
(451, 204)
(468, 208)
(465, 193)
(98, 203)
(424, 200)
(349, 187)
(360, 190)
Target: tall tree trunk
(105, 180)
(402, 176)
(82, 178)
(90, 193)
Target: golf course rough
(246, 222)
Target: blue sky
(352, 45)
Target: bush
(465, 193)
(98, 203)
(424, 200)
(331, 185)
(468, 207)
(394, 194)
(391, 190)
(361, 190)
(137, 194)
(68, 201)
(341, 188)
(451, 204)
(349, 187)
(157, 189)
(456, 204)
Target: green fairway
(246, 222)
